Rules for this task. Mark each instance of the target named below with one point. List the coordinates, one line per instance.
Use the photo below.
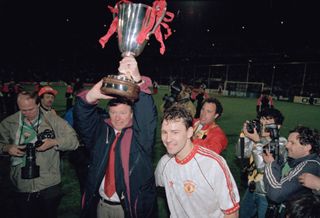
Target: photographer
(199, 95)
(179, 94)
(282, 184)
(259, 135)
(33, 140)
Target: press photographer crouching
(258, 136)
(179, 94)
(34, 140)
(282, 180)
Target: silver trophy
(134, 24)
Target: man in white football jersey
(197, 181)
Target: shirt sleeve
(226, 187)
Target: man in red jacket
(207, 133)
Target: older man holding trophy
(120, 180)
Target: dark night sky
(46, 32)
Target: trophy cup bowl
(132, 18)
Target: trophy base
(115, 85)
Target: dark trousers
(40, 204)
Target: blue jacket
(98, 135)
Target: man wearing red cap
(47, 95)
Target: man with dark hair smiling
(303, 148)
(197, 181)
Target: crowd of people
(117, 175)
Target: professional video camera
(31, 170)
(254, 124)
(175, 89)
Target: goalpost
(240, 88)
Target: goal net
(239, 88)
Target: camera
(273, 146)
(46, 134)
(169, 98)
(254, 124)
(175, 89)
(273, 130)
(31, 170)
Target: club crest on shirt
(189, 187)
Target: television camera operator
(282, 184)
(33, 140)
(179, 94)
(258, 136)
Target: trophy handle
(158, 22)
(115, 9)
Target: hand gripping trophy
(134, 23)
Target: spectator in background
(69, 96)
(10, 97)
(281, 186)
(220, 88)
(3, 110)
(37, 87)
(207, 132)
(47, 95)
(155, 87)
(311, 99)
(180, 94)
(199, 95)
(183, 98)
(17, 88)
(78, 85)
(197, 181)
(5, 92)
(264, 101)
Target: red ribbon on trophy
(155, 18)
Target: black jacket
(98, 135)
